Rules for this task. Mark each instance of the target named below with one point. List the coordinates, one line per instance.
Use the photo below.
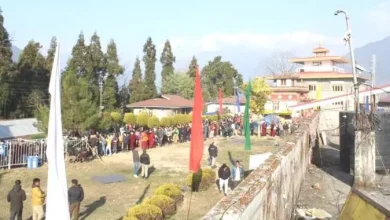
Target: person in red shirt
(151, 138)
(144, 140)
(133, 139)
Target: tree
(77, 63)
(259, 94)
(95, 66)
(143, 119)
(123, 97)
(153, 122)
(79, 112)
(5, 65)
(130, 118)
(150, 90)
(278, 63)
(179, 84)
(50, 54)
(192, 67)
(218, 74)
(33, 76)
(135, 86)
(110, 93)
(42, 115)
(167, 59)
(113, 66)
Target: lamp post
(348, 39)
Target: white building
(229, 103)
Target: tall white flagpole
(57, 207)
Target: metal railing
(14, 153)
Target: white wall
(160, 113)
(213, 107)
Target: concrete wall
(270, 191)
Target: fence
(14, 153)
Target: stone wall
(271, 190)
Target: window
(338, 103)
(283, 82)
(337, 88)
(317, 63)
(312, 88)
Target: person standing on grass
(133, 140)
(145, 162)
(126, 140)
(237, 173)
(109, 143)
(16, 197)
(114, 143)
(213, 153)
(75, 197)
(223, 175)
(37, 200)
(136, 162)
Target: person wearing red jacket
(151, 138)
(133, 139)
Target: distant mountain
(382, 51)
(15, 53)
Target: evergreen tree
(77, 63)
(5, 67)
(50, 54)
(167, 59)
(135, 86)
(95, 66)
(192, 67)
(114, 69)
(218, 74)
(149, 59)
(33, 80)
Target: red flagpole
(220, 101)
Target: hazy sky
(196, 26)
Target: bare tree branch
(277, 63)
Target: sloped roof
(18, 128)
(163, 101)
(232, 100)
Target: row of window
(338, 103)
(335, 88)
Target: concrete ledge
(271, 190)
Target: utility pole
(101, 96)
(373, 70)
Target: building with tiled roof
(227, 103)
(318, 77)
(163, 105)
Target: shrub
(171, 190)
(153, 122)
(129, 218)
(116, 116)
(201, 180)
(166, 122)
(130, 118)
(145, 212)
(143, 119)
(165, 203)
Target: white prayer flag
(57, 207)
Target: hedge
(145, 212)
(143, 119)
(201, 180)
(171, 190)
(165, 203)
(130, 118)
(153, 122)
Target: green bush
(166, 122)
(201, 180)
(130, 118)
(143, 119)
(182, 119)
(171, 190)
(165, 203)
(129, 218)
(116, 117)
(153, 122)
(145, 212)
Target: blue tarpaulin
(270, 118)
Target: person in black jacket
(75, 197)
(223, 175)
(16, 197)
(145, 162)
(213, 153)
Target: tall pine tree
(50, 54)
(192, 67)
(167, 59)
(135, 86)
(114, 69)
(96, 66)
(150, 90)
(77, 64)
(33, 80)
(5, 67)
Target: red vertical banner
(197, 145)
(220, 101)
